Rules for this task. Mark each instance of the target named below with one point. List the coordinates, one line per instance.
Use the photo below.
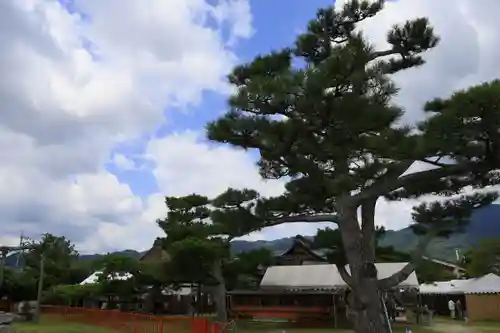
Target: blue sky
(275, 26)
(85, 93)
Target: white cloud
(64, 108)
(123, 162)
(185, 165)
(75, 85)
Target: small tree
(20, 285)
(320, 115)
(119, 276)
(485, 258)
(60, 256)
(244, 270)
(68, 294)
(199, 231)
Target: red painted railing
(129, 322)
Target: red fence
(132, 322)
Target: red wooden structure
(294, 306)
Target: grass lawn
(281, 327)
(332, 330)
(59, 327)
(447, 325)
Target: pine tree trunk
(220, 292)
(369, 315)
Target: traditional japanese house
(300, 253)
(436, 295)
(298, 292)
(479, 296)
(155, 254)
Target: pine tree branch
(435, 163)
(304, 219)
(344, 274)
(398, 277)
(388, 184)
(380, 54)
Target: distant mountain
(12, 260)
(278, 245)
(485, 223)
(127, 253)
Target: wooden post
(334, 313)
(160, 328)
(386, 315)
(115, 319)
(134, 323)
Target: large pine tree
(320, 113)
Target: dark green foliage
(335, 132)
(484, 259)
(449, 216)
(428, 271)
(117, 275)
(20, 285)
(198, 235)
(128, 277)
(191, 261)
(466, 125)
(199, 230)
(66, 294)
(61, 267)
(60, 257)
(244, 270)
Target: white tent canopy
(94, 277)
(488, 284)
(452, 287)
(323, 276)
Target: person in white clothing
(451, 307)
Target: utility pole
(40, 287)
(21, 243)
